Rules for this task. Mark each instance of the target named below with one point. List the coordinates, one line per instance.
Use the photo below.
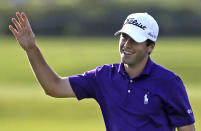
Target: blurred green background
(76, 36)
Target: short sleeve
(178, 105)
(84, 85)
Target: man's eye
(123, 39)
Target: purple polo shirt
(156, 100)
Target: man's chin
(126, 61)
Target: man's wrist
(32, 48)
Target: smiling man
(135, 95)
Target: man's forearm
(187, 128)
(45, 75)
(49, 80)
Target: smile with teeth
(127, 52)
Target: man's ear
(151, 47)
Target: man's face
(132, 52)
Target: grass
(24, 106)
(25, 109)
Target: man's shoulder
(108, 68)
(163, 72)
(166, 78)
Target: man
(135, 95)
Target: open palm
(23, 32)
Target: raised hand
(23, 32)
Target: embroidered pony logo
(146, 99)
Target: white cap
(140, 27)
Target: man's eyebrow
(124, 35)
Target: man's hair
(149, 42)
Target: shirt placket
(130, 86)
(129, 92)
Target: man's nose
(127, 43)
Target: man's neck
(136, 69)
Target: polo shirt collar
(146, 70)
(148, 67)
(121, 69)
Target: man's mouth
(126, 52)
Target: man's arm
(52, 84)
(187, 128)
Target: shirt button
(131, 81)
(129, 91)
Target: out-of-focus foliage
(102, 17)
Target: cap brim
(134, 32)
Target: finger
(13, 30)
(17, 25)
(24, 17)
(20, 19)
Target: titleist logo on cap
(135, 22)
